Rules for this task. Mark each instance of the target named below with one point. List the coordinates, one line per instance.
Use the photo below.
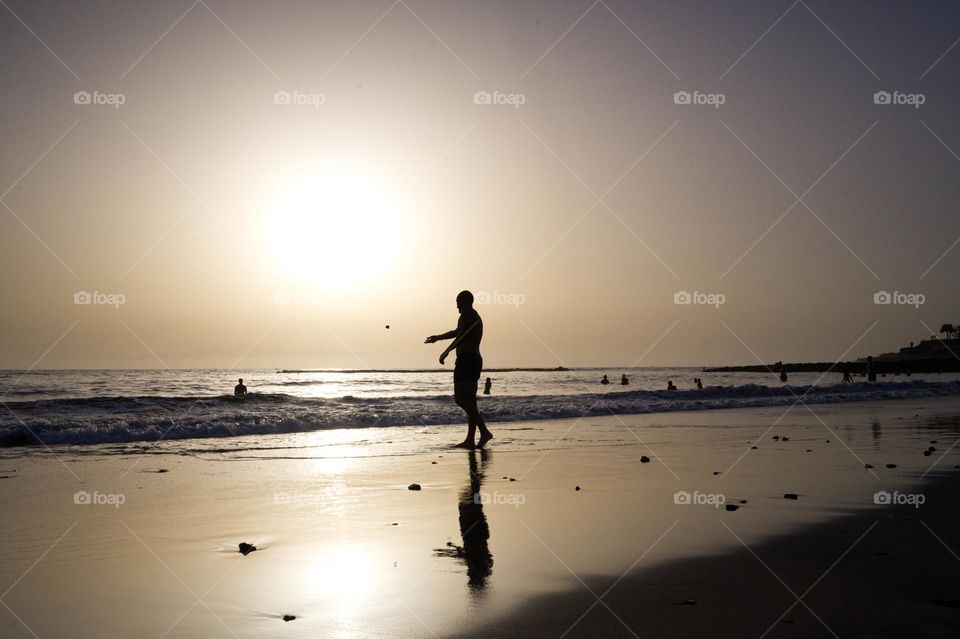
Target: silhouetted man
(466, 372)
(623, 380)
(240, 390)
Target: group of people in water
(623, 380)
(847, 377)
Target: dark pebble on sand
(933, 441)
(931, 448)
(784, 439)
(753, 448)
(246, 549)
(790, 496)
(731, 507)
(868, 466)
(743, 501)
(827, 441)
(433, 462)
(891, 465)
(163, 470)
(716, 472)
(775, 437)
(809, 451)
(289, 617)
(927, 453)
(513, 479)
(395, 524)
(644, 459)
(413, 487)
(577, 488)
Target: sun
(333, 230)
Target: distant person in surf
(466, 372)
(604, 381)
(871, 374)
(623, 380)
(783, 376)
(240, 390)
(487, 386)
(670, 385)
(846, 376)
(698, 382)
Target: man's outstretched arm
(436, 338)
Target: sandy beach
(345, 547)
(546, 319)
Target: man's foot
(484, 438)
(465, 444)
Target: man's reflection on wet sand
(474, 531)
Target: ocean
(118, 406)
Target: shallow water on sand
(345, 547)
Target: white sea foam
(147, 418)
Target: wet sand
(889, 573)
(349, 550)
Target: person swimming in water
(670, 385)
(466, 372)
(487, 386)
(604, 381)
(698, 382)
(623, 380)
(240, 390)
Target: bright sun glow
(332, 230)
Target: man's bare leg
(462, 394)
(485, 434)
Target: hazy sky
(244, 227)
